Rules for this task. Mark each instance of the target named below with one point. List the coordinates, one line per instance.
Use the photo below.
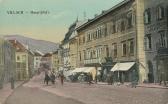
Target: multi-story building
(7, 62)
(24, 61)
(70, 45)
(115, 38)
(37, 60)
(156, 39)
(57, 61)
(46, 61)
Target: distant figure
(47, 78)
(61, 78)
(53, 77)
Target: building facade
(114, 36)
(57, 61)
(37, 60)
(156, 39)
(46, 61)
(70, 46)
(24, 60)
(7, 62)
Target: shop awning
(122, 66)
(89, 69)
(84, 69)
(77, 70)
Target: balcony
(91, 61)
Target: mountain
(33, 44)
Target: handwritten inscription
(11, 12)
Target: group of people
(51, 76)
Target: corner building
(156, 39)
(115, 37)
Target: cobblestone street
(35, 92)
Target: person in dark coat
(47, 78)
(61, 78)
(52, 77)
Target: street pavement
(24, 95)
(7, 91)
(35, 92)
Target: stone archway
(151, 72)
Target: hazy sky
(51, 26)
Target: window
(148, 42)
(124, 49)
(163, 39)
(122, 26)
(84, 54)
(80, 56)
(114, 48)
(83, 39)
(147, 16)
(107, 51)
(131, 47)
(18, 58)
(129, 19)
(113, 28)
(91, 54)
(160, 12)
(98, 52)
(24, 58)
(99, 32)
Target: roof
(18, 46)
(103, 14)
(69, 33)
(38, 53)
(48, 55)
(72, 30)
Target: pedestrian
(53, 77)
(62, 78)
(134, 79)
(47, 78)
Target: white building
(37, 59)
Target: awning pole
(118, 76)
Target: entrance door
(150, 74)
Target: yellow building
(57, 61)
(113, 37)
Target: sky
(53, 23)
